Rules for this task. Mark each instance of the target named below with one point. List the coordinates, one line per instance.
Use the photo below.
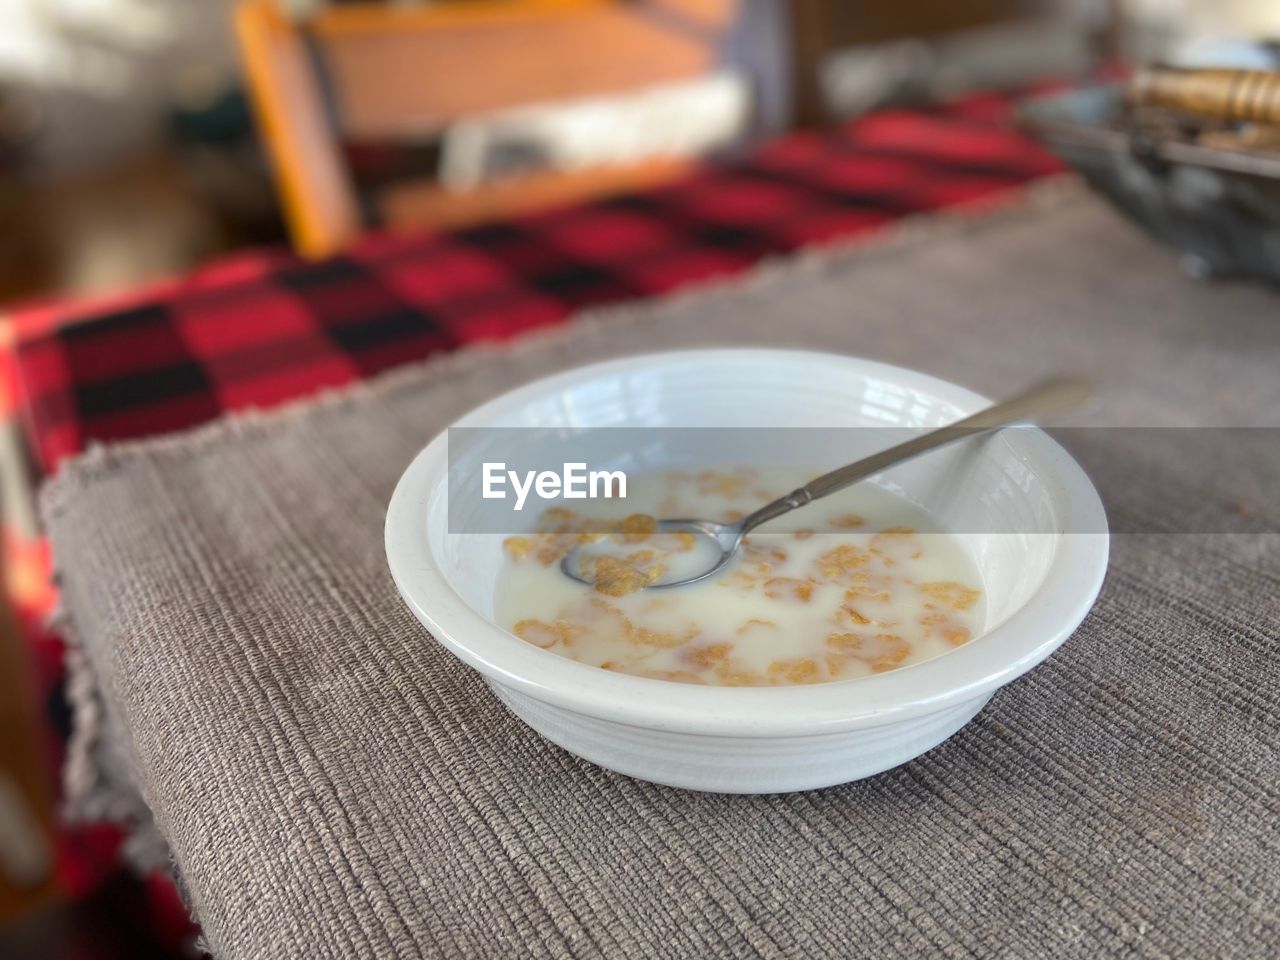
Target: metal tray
(1219, 207)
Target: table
(329, 781)
(262, 328)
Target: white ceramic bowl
(1002, 493)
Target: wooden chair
(377, 73)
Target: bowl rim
(1024, 639)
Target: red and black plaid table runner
(268, 329)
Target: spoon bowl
(720, 543)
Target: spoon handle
(1047, 397)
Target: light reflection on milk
(842, 601)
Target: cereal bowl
(1021, 507)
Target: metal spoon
(1047, 397)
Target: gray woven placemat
(330, 783)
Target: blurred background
(141, 139)
(128, 149)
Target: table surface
(330, 782)
(259, 328)
(262, 329)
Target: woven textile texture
(331, 783)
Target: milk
(858, 583)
